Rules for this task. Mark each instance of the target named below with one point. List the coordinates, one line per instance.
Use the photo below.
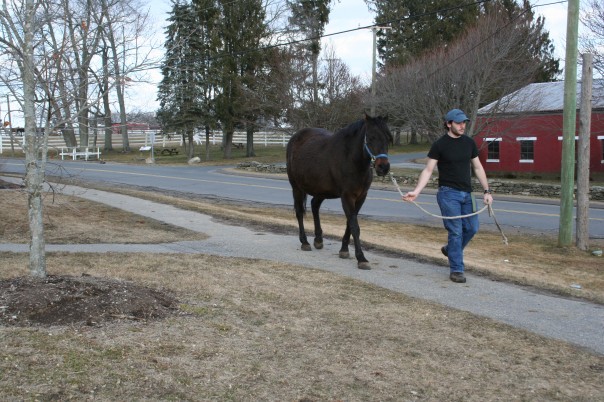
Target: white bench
(76, 152)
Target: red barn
(521, 134)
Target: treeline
(255, 63)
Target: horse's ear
(365, 116)
(385, 118)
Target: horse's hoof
(318, 245)
(306, 247)
(364, 265)
(344, 254)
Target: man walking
(455, 154)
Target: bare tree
(488, 61)
(38, 40)
(96, 48)
(124, 29)
(341, 93)
(20, 31)
(593, 40)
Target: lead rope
(489, 207)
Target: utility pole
(569, 126)
(374, 68)
(583, 154)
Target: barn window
(492, 149)
(601, 138)
(527, 149)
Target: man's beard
(456, 132)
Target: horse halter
(371, 155)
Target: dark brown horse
(339, 165)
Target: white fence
(265, 138)
(140, 138)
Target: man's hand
(410, 196)
(488, 199)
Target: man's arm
(422, 181)
(481, 175)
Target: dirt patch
(84, 300)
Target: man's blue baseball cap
(456, 115)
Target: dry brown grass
(75, 220)
(258, 330)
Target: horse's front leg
(299, 207)
(344, 253)
(315, 204)
(351, 209)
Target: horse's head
(377, 140)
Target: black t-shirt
(453, 156)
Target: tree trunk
(191, 151)
(228, 141)
(207, 143)
(249, 148)
(34, 167)
(413, 139)
(120, 82)
(83, 120)
(123, 120)
(106, 105)
(69, 136)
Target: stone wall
(511, 187)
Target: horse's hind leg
(315, 204)
(299, 207)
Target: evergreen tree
(538, 45)
(420, 26)
(208, 17)
(239, 64)
(307, 22)
(178, 93)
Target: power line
(372, 26)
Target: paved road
(578, 322)
(524, 215)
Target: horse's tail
(300, 202)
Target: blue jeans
(454, 202)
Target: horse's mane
(354, 127)
(351, 129)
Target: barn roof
(542, 97)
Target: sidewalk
(576, 321)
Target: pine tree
(208, 19)
(420, 26)
(179, 91)
(239, 64)
(307, 22)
